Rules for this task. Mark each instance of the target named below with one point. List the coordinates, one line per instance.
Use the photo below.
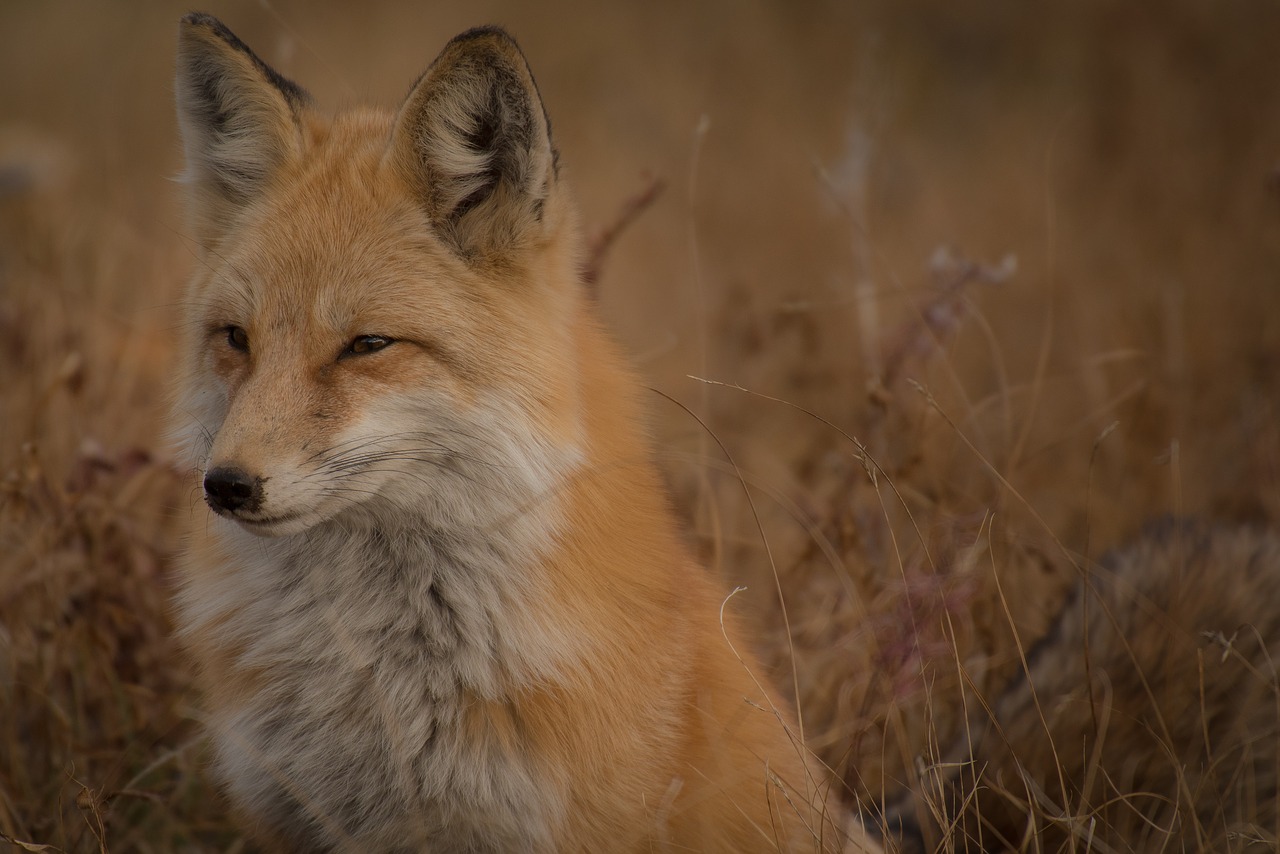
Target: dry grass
(933, 451)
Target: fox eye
(362, 344)
(238, 339)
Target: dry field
(962, 294)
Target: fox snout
(229, 489)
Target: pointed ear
(474, 143)
(239, 120)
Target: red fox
(442, 603)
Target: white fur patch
(418, 589)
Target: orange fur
(469, 621)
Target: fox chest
(360, 732)
(335, 769)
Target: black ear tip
(193, 21)
(200, 19)
(207, 25)
(205, 21)
(486, 33)
(489, 39)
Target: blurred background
(988, 286)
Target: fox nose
(231, 489)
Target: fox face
(380, 297)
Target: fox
(437, 598)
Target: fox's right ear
(239, 120)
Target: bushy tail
(1148, 718)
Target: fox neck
(453, 600)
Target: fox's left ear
(473, 141)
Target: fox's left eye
(362, 344)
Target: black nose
(230, 488)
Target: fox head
(382, 309)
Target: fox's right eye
(238, 339)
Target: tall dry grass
(931, 446)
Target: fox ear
(475, 145)
(238, 117)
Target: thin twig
(602, 240)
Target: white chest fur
(365, 650)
